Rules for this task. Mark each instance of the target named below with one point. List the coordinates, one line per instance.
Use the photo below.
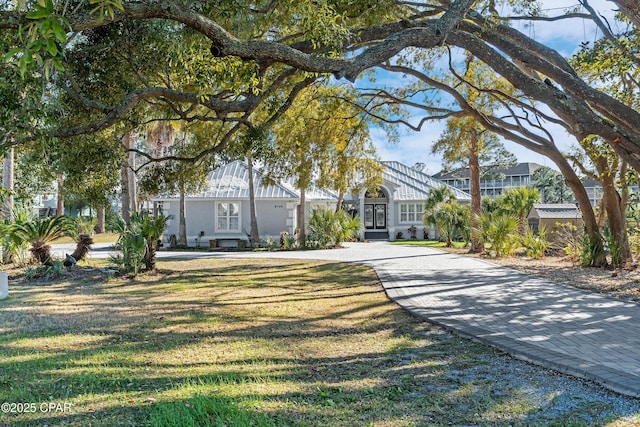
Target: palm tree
(83, 245)
(518, 201)
(40, 232)
(151, 230)
(444, 212)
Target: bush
(500, 230)
(575, 244)
(138, 243)
(536, 244)
(327, 228)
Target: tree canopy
(225, 61)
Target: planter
(4, 285)
(213, 243)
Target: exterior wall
(275, 216)
(403, 226)
(201, 221)
(552, 229)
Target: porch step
(376, 235)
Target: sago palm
(40, 232)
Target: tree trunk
(182, 221)
(477, 244)
(619, 247)
(340, 200)
(598, 258)
(132, 182)
(60, 201)
(302, 228)
(8, 184)
(82, 247)
(101, 214)
(125, 201)
(8, 172)
(255, 233)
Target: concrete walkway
(559, 327)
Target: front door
(375, 216)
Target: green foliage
(138, 243)
(517, 202)
(500, 231)
(48, 272)
(536, 244)
(13, 246)
(268, 242)
(450, 218)
(615, 247)
(85, 225)
(576, 244)
(133, 247)
(287, 242)
(328, 228)
(551, 186)
(40, 232)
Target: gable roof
(231, 181)
(412, 184)
(517, 170)
(564, 211)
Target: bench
(221, 242)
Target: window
(411, 212)
(228, 217)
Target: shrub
(138, 243)
(536, 244)
(86, 225)
(40, 232)
(329, 228)
(500, 231)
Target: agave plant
(40, 232)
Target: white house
(395, 210)
(221, 211)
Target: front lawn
(261, 343)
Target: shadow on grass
(273, 343)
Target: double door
(375, 216)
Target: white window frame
(228, 217)
(412, 214)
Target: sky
(564, 36)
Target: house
(515, 176)
(221, 211)
(550, 215)
(397, 206)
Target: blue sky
(564, 36)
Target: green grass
(97, 238)
(259, 343)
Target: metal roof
(564, 211)
(412, 184)
(231, 181)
